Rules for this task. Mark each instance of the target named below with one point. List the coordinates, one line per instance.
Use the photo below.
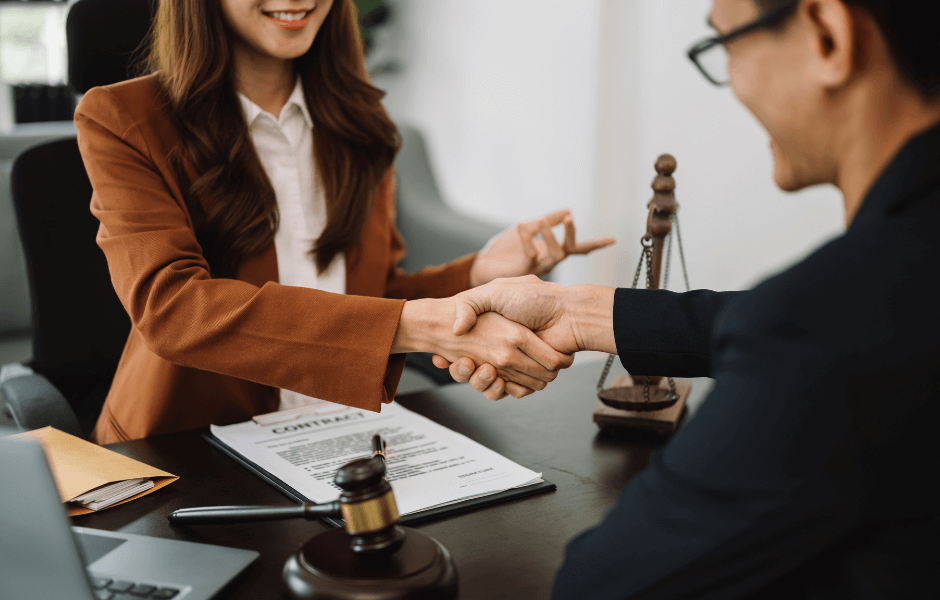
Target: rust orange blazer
(204, 350)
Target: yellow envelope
(79, 467)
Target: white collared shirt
(285, 147)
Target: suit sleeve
(659, 332)
(324, 345)
(762, 480)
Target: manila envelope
(79, 466)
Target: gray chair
(433, 232)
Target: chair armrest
(34, 402)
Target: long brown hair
(355, 141)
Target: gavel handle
(242, 514)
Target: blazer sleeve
(659, 332)
(324, 345)
(440, 281)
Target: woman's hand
(523, 362)
(530, 248)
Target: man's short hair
(913, 33)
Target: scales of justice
(644, 401)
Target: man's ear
(833, 36)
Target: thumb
(465, 316)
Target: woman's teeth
(287, 16)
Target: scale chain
(647, 254)
(685, 273)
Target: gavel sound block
(372, 557)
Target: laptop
(41, 557)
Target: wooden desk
(508, 551)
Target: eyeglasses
(710, 55)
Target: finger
(555, 252)
(527, 232)
(557, 217)
(535, 383)
(466, 310)
(497, 391)
(518, 391)
(440, 362)
(571, 241)
(499, 395)
(462, 369)
(483, 378)
(544, 355)
(586, 247)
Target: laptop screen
(40, 557)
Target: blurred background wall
(534, 105)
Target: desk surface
(511, 550)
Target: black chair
(79, 326)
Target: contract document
(428, 465)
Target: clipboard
(409, 519)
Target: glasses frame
(771, 18)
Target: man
(812, 469)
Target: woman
(258, 265)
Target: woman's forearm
(422, 325)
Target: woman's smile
(289, 19)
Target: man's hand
(529, 301)
(530, 248)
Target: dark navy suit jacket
(813, 468)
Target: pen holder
(370, 557)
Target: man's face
(768, 69)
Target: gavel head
(368, 506)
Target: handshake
(511, 336)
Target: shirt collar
(908, 178)
(252, 110)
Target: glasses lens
(715, 62)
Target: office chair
(79, 326)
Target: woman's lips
(289, 20)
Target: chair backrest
(103, 38)
(79, 326)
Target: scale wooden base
(662, 421)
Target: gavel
(372, 553)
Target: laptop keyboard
(116, 589)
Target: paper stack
(106, 495)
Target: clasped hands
(499, 336)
